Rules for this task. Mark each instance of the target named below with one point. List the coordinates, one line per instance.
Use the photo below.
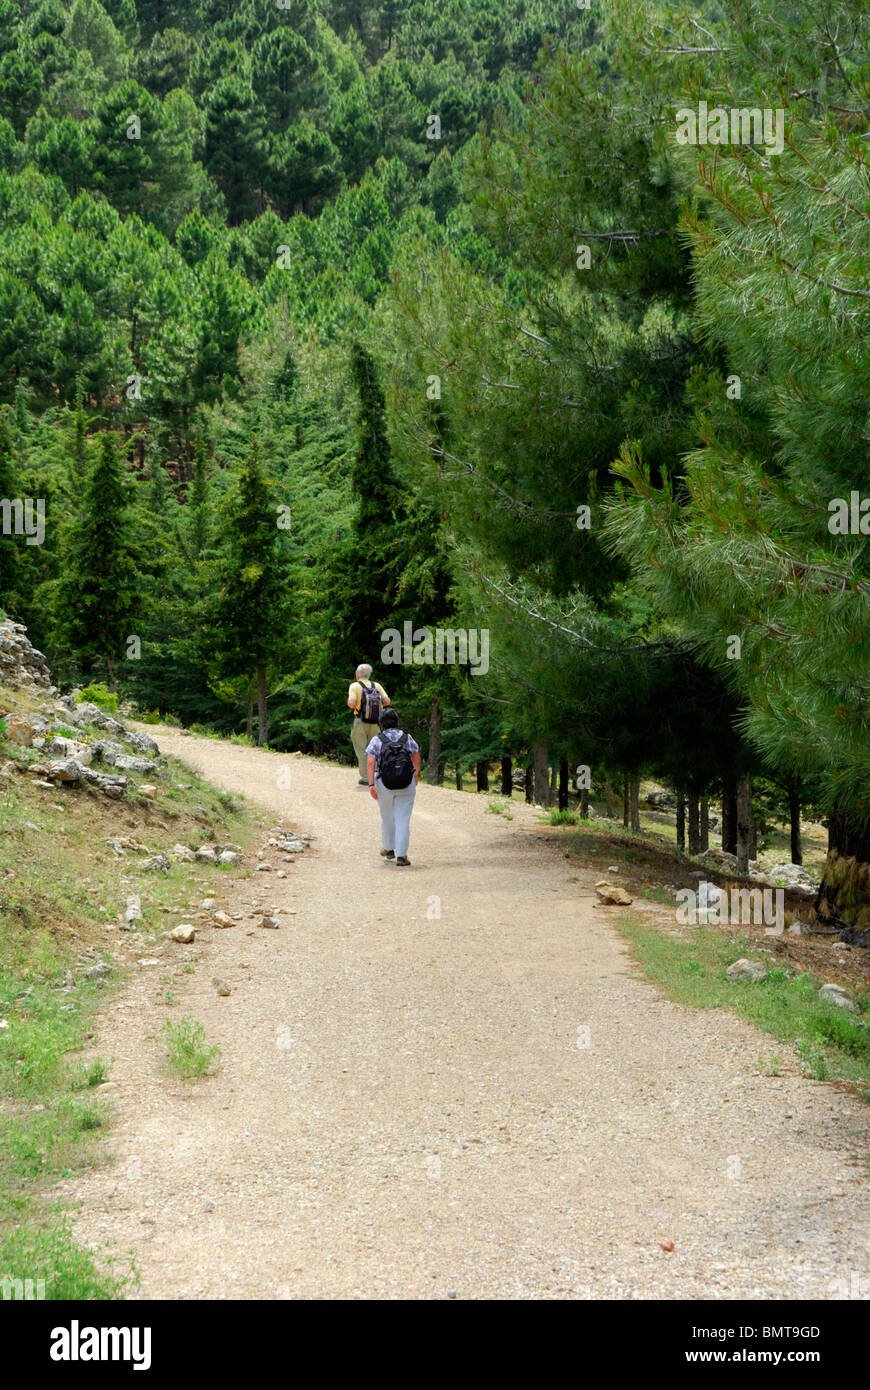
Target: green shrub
(188, 1055)
(100, 694)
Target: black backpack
(370, 704)
(395, 768)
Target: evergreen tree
(253, 603)
(758, 553)
(236, 147)
(99, 591)
(10, 545)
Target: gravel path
(407, 1106)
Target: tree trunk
(753, 840)
(530, 785)
(584, 804)
(794, 816)
(844, 896)
(608, 799)
(435, 716)
(625, 803)
(704, 829)
(262, 715)
(249, 724)
(553, 791)
(681, 820)
(744, 822)
(482, 777)
(634, 808)
(729, 813)
(540, 771)
(564, 783)
(458, 778)
(110, 671)
(507, 770)
(693, 825)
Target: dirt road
(447, 1081)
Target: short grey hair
(365, 671)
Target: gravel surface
(447, 1081)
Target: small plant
(814, 1063)
(770, 1066)
(170, 998)
(94, 1074)
(99, 694)
(150, 716)
(189, 1057)
(555, 817)
(88, 1117)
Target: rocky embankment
(62, 741)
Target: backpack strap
(390, 743)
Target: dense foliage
(323, 319)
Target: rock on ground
(744, 969)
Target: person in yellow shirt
(368, 700)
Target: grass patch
(48, 1261)
(829, 1042)
(770, 1066)
(188, 1055)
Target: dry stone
(744, 969)
(611, 893)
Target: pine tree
(198, 505)
(99, 590)
(10, 545)
(366, 569)
(758, 554)
(235, 146)
(252, 611)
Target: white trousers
(395, 808)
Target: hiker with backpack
(393, 765)
(368, 700)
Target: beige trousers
(361, 736)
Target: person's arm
(415, 759)
(352, 700)
(384, 696)
(370, 766)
